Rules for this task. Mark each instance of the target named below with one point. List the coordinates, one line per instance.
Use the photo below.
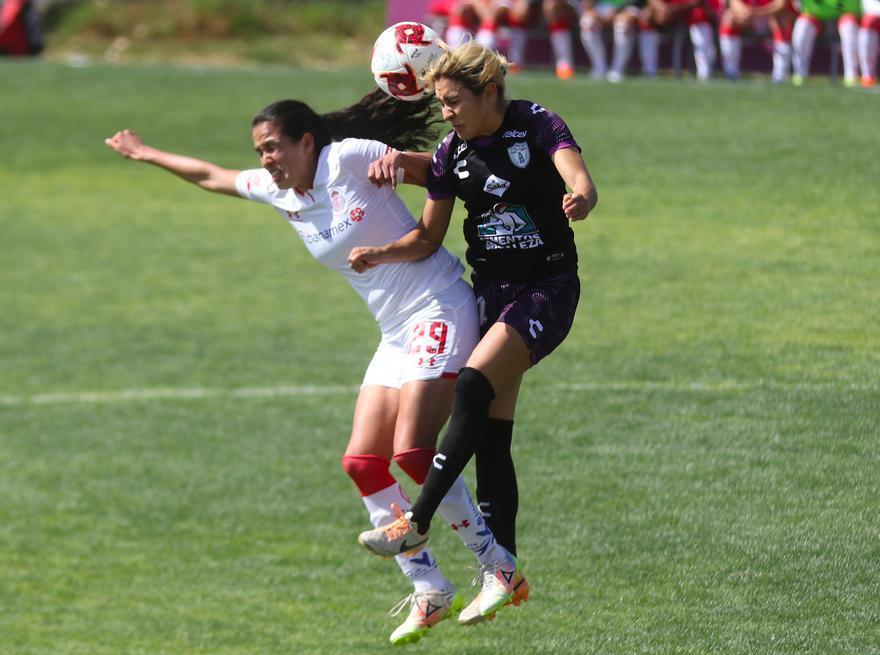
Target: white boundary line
(135, 395)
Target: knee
(415, 462)
(472, 384)
(369, 472)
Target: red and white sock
(464, 518)
(848, 28)
(803, 38)
(457, 506)
(624, 40)
(517, 50)
(591, 37)
(421, 568)
(486, 36)
(649, 47)
(457, 33)
(704, 49)
(560, 40)
(869, 46)
(731, 50)
(781, 60)
(379, 490)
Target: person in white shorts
(316, 178)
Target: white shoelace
(411, 599)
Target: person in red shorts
(663, 13)
(777, 16)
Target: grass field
(698, 463)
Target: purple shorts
(541, 311)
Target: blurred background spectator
(20, 31)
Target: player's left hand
(362, 258)
(386, 169)
(575, 206)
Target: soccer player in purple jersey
(520, 173)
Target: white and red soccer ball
(402, 55)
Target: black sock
(497, 493)
(467, 426)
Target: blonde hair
(472, 64)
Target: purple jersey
(515, 227)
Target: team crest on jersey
(337, 200)
(519, 154)
(508, 227)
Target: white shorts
(432, 341)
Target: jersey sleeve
(255, 184)
(551, 132)
(356, 155)
(440, 182)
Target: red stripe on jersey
(449, 376)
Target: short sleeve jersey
(344, 210)
(515, 227)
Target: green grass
(300, 32)
(698, 463)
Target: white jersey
(344, 210)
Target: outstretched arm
(387, 169)
(423, 241)
(583, 197)
(204, 174)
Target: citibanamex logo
(357, 214)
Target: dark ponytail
(400, 124)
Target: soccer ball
(402, 55)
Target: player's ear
(490, 93)
(308, 141)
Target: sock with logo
(497, 494)
(457, 507)
(464, 518)
(467, 425)
(421, 568)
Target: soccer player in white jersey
(520, 173)
(316, 179)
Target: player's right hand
(127, 143)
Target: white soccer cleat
(501, 583)
(396, 538)
(427, 609)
